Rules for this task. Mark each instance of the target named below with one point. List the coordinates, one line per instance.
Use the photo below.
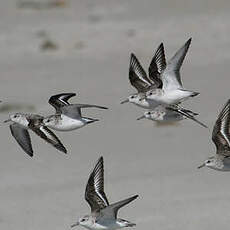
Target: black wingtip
(195, 94)
(99, 163)
(132, 55)
(63, 94)
(188, 42)
(56, 97)
(161, 45)
(61, 148)
(103, 107)
(133, 59)
(90, 120)
(100, 158)
(30, 154)
(135, 197)
(64, 150)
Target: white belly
(175, 96)
(97, 226)
(171, 97)
(146, 104)
(67, 124)
(111, 226)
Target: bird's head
(85, 221)
(134, 98)
(16, 117)
(211, 162)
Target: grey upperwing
(171, 75)
(74, 110)
(110, 212)
(60, 100)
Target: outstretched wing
(220, 133)
(74, 110)
(171, 75)
(22, 136)
(137, 75)
(94, 192)
(47, 135)
(60, 100)
(157, 66)
(110, 212)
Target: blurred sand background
(92, 42)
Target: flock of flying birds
(161, 93)
(67, 117)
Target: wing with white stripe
(220, 134)
(157, 66)
(137, 75)
(47, 135)
(94, 192)
(61, 99)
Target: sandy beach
(92, 45)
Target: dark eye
(208, 162)
(83, 219)
(150, 93)
(48, 120)
(15, 116)
(132, 96)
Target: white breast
(111, 226)
(68, 124)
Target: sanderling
(23, 122)
(68, 116)
(103, 215)
(170, 114)
(221, 138)
(143, 83)
(172, 91)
